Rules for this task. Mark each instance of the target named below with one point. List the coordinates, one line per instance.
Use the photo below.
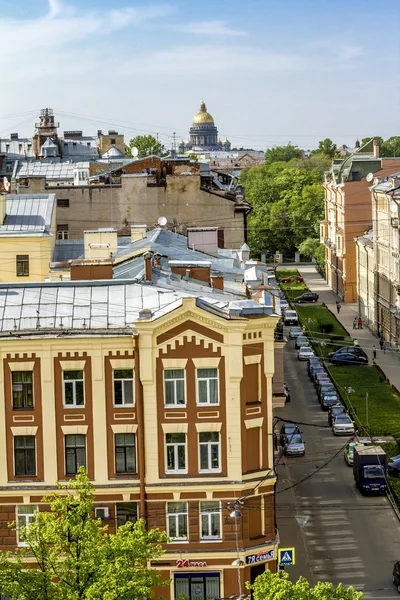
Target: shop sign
(184, 564)
(252, 559)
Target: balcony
(323, 232)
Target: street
(347, 538)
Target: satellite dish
(6, 184)
(134, 151)
(162, 221)
(369, 177)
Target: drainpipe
(140, 418)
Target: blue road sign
(286, 556)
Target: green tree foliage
(146, 145)
(276, 586)
(313, 248)
(388, 148)
(77, 559)
(282, 154)
(365, 140)
(326, 148)
(287, 201)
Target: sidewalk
(389, 362)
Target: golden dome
(203, 116)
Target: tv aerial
(162, 221)
(6, 184)
(369, 177)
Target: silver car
(294, 445)
(342, 425)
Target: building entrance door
(197, 586)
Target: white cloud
(211, 28)
(348, 53)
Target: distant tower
(357, 144)
(203, 132)
(46, 128)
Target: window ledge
(178, 541)
(211, 541)
(175, 405)
(124, 406)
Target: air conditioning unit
(102, 512)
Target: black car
(347, 358)
(325, 389)
(334, 411)
(287, 431)
(318, 371)
(356, 350)
(396, 575)
(328, 400)
(322, 381)
(307, 297)
(313, 361)
(393, 467)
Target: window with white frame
(210, 520)
(177, 520)
(175, 452)
(123, 387)
(207, 386)
(209, 451)
(26, 514)
(73, 388)
(174, 387)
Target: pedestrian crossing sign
(286, 556)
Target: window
(22, 389)
(75, 453)
(125, 453)
(174, 387)
(25, 516)
(176, 452)
(123, 387)
(62, 232)
(207, 386)
(112, 141)
(63, 202)
(209, 451)
(210, 520)
(22, 265)
(177, 520)
(126, 511)
(25, 455)
(73, 388)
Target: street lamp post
(236, 514)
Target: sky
(270, 71)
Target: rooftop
(27, 214)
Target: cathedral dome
(203, 116)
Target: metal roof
(28, 214)
(50, 169)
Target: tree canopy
(387, 148)
(287, 202)
(77, 559)
(326, 148)
(282, 154)
(146, 145)
(274, 586)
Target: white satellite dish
(369, 177)
(6, 184)
(162, 221)
(134, 151)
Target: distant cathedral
(203, 134)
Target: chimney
(376, 149)
(3, 207)
(148, 257)
(100, 243)
(217, 282)
(138, 232)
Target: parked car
(396, 575)
(301, 340)
(284, 306)
(287, 430)
(343, 425)
(307, 297)
(323, 380)
(393, 467)
(291, 317)
(286, 391)
(314, 369)
(286, 280)
(335, 410)
(294, 446)
(349, 452)
(327, 388)
(299, 278)
(304, 353)
(319, 373)
(356, 350)
(347, 358)
(328, 400)
(313, 361)
(294, 332)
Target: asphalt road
(348, 537)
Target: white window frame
(208, 513)
(175, 516)
(29, 518)
(175, 445)
(175, 403)
(73, 382)
(207, 379)
(209, 446)
(122, 379)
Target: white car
(342, 425)
(284, 306)
(304, 353)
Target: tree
(282, 154)
(391, 147)
(327, 148)
(313, 248)
(274, 586)
(77, 559)
(365, 140)
(146, 145)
